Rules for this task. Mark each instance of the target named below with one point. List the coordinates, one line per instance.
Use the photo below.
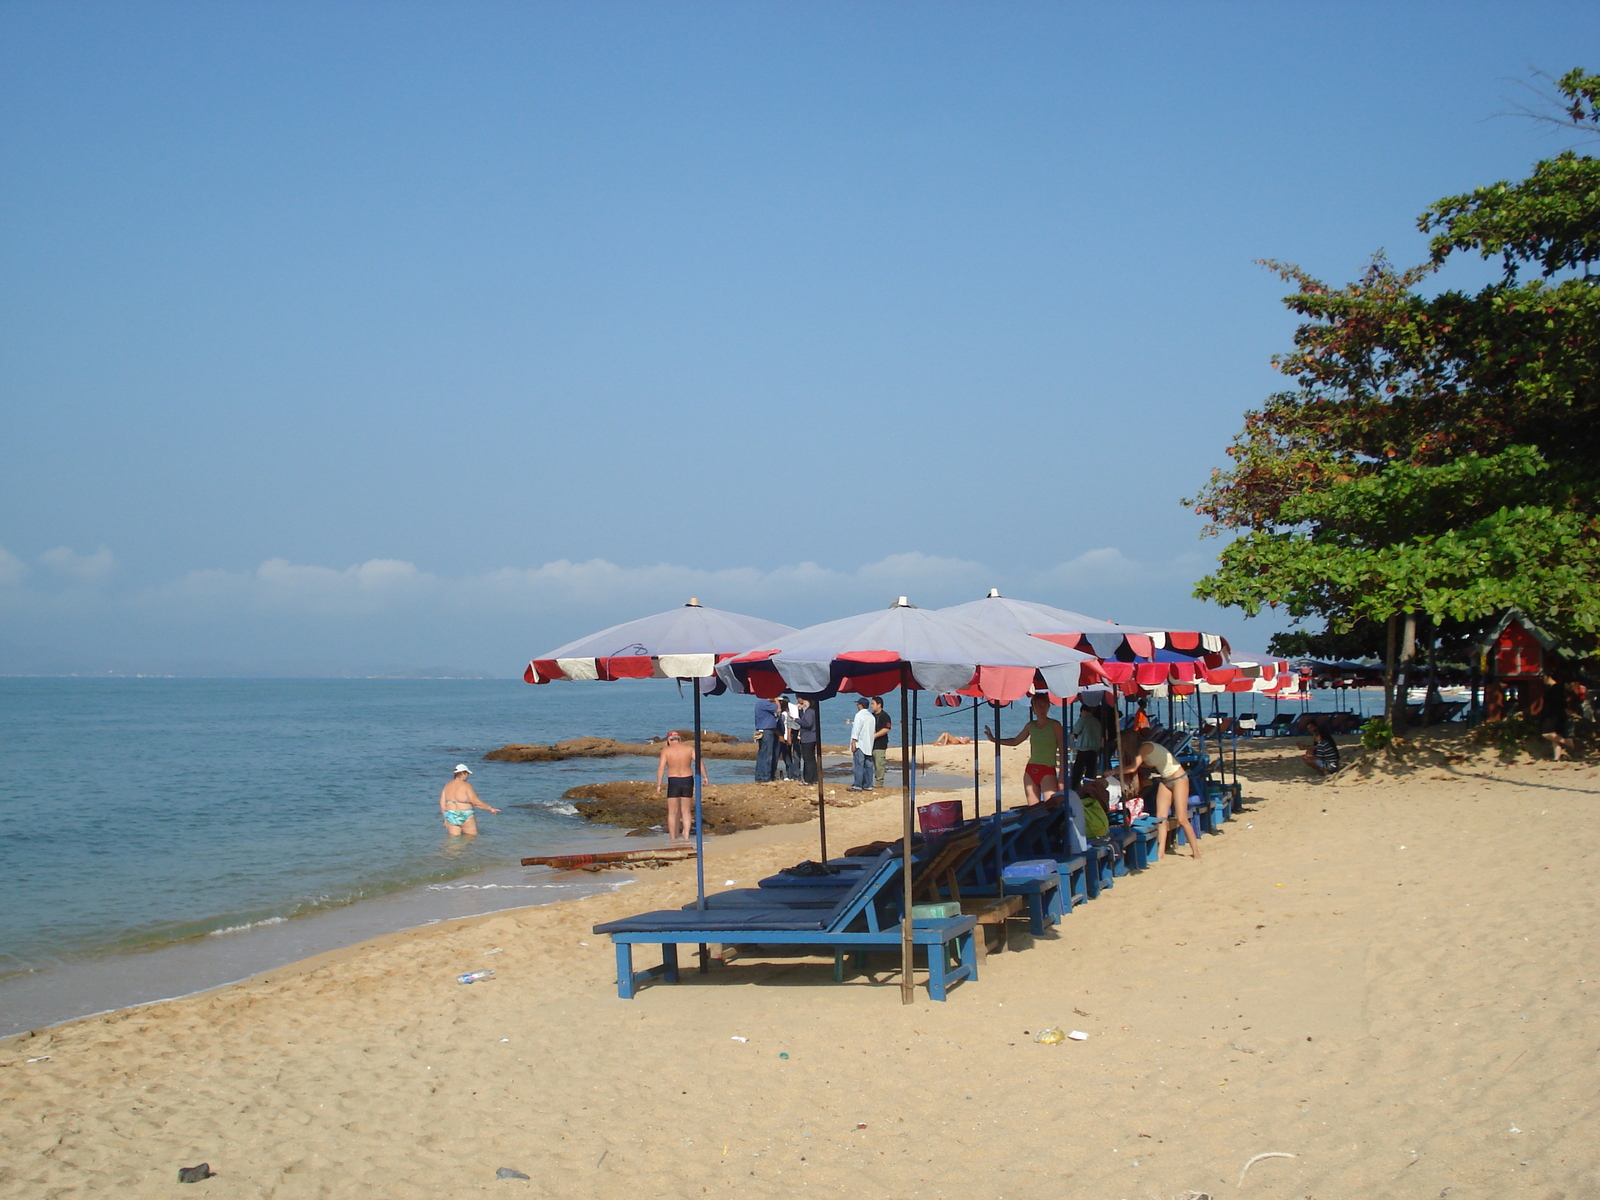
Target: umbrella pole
(1235, 697)
(1000, 887)
(907, 983)
(977, 743)
(699, 829)
(822, 808)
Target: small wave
(512, 887)
(490, 887)
(247, 925)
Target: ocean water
(162, 835)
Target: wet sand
(1390, 978)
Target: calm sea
(158, 835)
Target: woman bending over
(1172, 796)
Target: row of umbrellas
(995, 649)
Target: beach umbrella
(907, 648)
(683, 643)
(1133, 658)
(1144, 655)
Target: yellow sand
(1390, 980)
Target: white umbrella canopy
(681, 643)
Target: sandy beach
(1387, 977)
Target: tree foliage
(1435, 454)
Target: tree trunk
(1388, 672)
(1408, 657)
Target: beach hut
(911, 649)
(685, 644)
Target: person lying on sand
(950, 739)
(457, 801)
(676, 767)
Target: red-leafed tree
(1437, 454)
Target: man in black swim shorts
(676, 768)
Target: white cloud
(85, 568)
(12, 569)
(391, 612)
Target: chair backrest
(942, 869)
(859, 899)
(978, 870)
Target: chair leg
(1036, 919)
(970, 941)
(937, 955)
(625, 970)
(669, 962)
(838, 964)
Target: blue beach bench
(852, 925)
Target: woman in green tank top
(1041, 777)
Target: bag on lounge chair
(809, 869)
(1096, 824)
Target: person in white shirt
(863, 729)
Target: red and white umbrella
(908, 648)
(1133, 657)
(681, 643)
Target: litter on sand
(1050, 1037)
(740, 1039)
(195, 1174)
(508, 1173)
(1078, 1035)
(1258, 1158)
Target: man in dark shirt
(809, 764)
(766, 740)
(880, 742)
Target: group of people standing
(787, 740)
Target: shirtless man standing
(457, 802)
(677, 768)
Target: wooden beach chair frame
(948, 941)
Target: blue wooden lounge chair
(1015, 838)
(851, 925)
(931, 874)
(1052, 835)
(1147, 842)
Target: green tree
(1436, 454)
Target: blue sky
(339, 336)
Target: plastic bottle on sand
(474, 976)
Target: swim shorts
(1037, 771)
(680, 787)
(457, 816)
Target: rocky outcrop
(712, 745)
(728, 807)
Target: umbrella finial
(994, 593)
(902, 602)
(694, 602)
